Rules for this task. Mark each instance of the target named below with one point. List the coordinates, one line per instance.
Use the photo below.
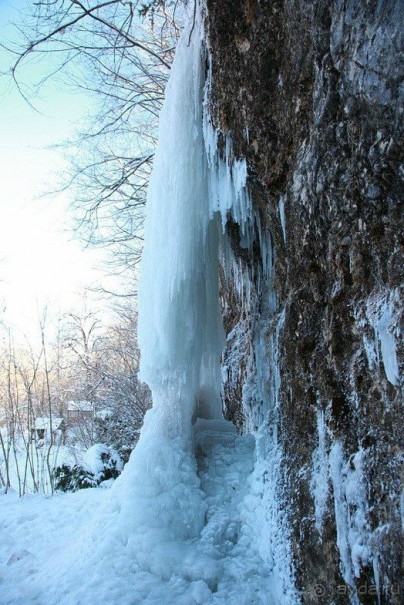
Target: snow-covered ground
(36, 531)
(43, 562)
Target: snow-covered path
(225, 462)
(39, 536)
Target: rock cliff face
(309, 93)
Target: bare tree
(121, 53)
(103, 364)
(26, 459)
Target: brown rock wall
(310, 94)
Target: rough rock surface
(310, 94)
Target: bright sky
(39, 262)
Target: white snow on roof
(79, 406)
(44, 422)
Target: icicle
(319, 484)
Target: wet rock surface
(310, 94)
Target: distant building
(79, 411)
(42, 429)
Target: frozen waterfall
(180, 331)
(182, 522)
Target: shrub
(100, 463)
(71, 478)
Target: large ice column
(180, 331)
(158, 495)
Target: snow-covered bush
(103, 462)
(71, 478)
(100, 463)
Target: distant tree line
(89, 368)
